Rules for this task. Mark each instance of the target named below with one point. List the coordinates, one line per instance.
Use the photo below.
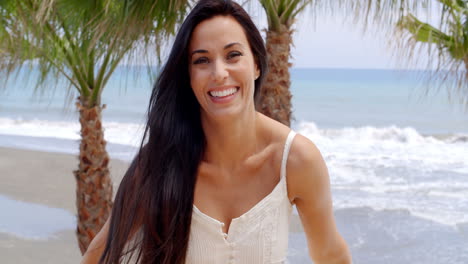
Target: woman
(211, 183)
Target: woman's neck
(230, 142)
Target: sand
(42, 178)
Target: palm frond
(446, 47)
(283, 12)
(423, 32)
(83, 41)
(270, 8)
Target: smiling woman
(216, 180)
(222, 75)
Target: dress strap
(287, 147)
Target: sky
(334, 42)
(330, 44)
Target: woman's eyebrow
(225, 47)
(198, 51)
(232, 44)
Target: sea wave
(389, 147)
(369, 147)
(380, 167)
(395, 168)
(114, 132)
(370, 134)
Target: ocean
(396, 148)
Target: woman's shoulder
(303, 152)
(306, 169)
(302, 148)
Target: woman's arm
(309, 187)
(96, 248)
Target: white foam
(33, 221)
(450, 212)
(396, 168)
(388, 147)
(114, 132)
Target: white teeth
(223, 92)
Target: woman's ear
(257, 72)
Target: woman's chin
(227, 113)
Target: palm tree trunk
(94, 186)
(275, 98)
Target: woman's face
(222, 68)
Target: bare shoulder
(306, 169)
(307, 174)
(303, 151)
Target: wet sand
(46, 179)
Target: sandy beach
(47, 179)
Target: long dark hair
(155, 196)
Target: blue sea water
(393, 152)
(336, 98)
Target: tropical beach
(394, 138)
(398, 172)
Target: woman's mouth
(223, 93)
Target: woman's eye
(234, 54)
(201, 60)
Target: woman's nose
(220, 72)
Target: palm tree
(83, 42)
(450, 41)
(275, 98)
